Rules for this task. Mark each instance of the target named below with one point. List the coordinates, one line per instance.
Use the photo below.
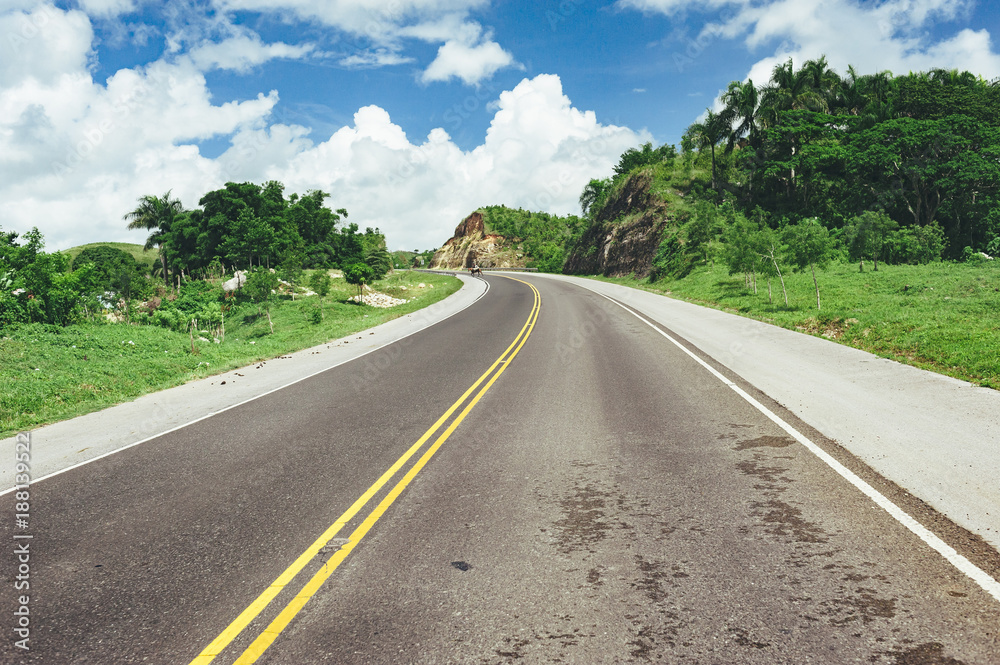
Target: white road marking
(977, 574)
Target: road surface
(542, 477)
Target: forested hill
(808, 167)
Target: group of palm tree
(747, 109)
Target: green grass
(943, 317)
(146, 257)
(50, 373)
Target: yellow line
(271, 633)
(264, 599)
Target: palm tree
(155, 214)
(710, 133)
(823, 82)
(741, 113)
(810, 88)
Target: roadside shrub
(170, 318)
(916, 244)
(671, 259)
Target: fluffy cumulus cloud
(75, 153)
(538, 153)
(872, 36)
(470, 62)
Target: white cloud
(375, 58)
(243, 52)
(376, 19)
(107, 8)
(892, 35)
(539, 153)
(75, 155)
(43, 44)
(466, 53)
(468, 62)
(670, 7)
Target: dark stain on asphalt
(743, 640)
(582, 525)
(768, 474)
(785, 520)
(864, 605)
(594, 577)
(461, 565)
(929, 653)
(643, 643)
(765, 442)
(513, 650)
(652, 579)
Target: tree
(291, 268)
(358, 274)
(708, 134)
(380, 262)
(155, 214)
(594, 195)
(809, 244)
(866, 236)
(320, 283)
(261, 286)
(112, 266)
(741, 112)
(925, 168)
(742, 251)
(643, 156)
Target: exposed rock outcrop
(472, 245)
(625, 236)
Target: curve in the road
(274, 629)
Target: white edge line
(251, 399)
(977, 574)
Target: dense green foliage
(238, 227)
(922, 149)
(36, 286)
(145, 257)
(244, 225)
(541, 237)
(888, 169)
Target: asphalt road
(595, 495)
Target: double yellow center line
(271, 633)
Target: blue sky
(411, 113)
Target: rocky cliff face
(471, 246)
(624, 237)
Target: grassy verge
(50, 373)
(943, 317)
